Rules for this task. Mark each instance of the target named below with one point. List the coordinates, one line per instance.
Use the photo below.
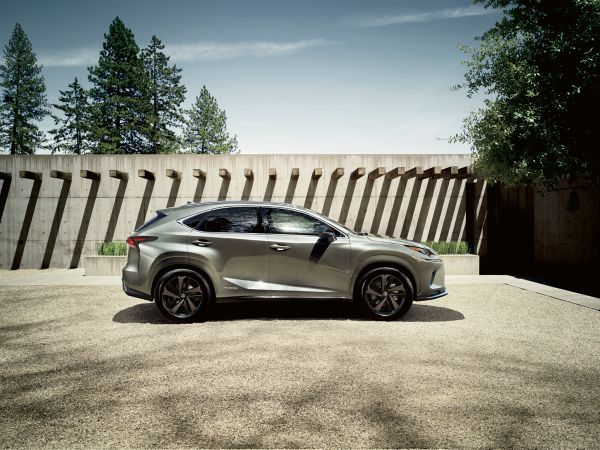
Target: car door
(230, 244)
(301, 264)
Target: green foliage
(206, 127)
(449, 248)
(166, 96)
(112, 249)
(23, 95)
(120, 111)
(72, 132)
(540, 69)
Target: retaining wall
(49, 220)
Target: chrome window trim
(258, 206)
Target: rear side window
(159, 216)
(234, 220)
(196, 222)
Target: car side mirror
(328, 235)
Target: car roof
(239, 203)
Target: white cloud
(73, 57)
(211, 51)
(254, 124)
(369, 21)
(190, 52)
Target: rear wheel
(386, 293)
(182, 295)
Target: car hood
(393, 240)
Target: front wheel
(182, 295)
(386, 294)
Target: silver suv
(186, 258)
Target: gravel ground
(487, 366)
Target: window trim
(259, 207)
(209, 212)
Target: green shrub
(449, 248)
(112, 249)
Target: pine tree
(206, 128)
(166, 97)
(72, 132)
(23, 95)
(120, 103)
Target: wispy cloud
(370, 21)
(72, 57)
(255, 124)
(211, 51)
(191, 52)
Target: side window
(285, 221)
(196, 222)
(234, 220)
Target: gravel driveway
(490, 366)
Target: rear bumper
(134, 293)
(432, 296)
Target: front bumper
(432, 296)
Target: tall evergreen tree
(23, 95)
(72, 132)
(206, 127)
(120, 104)
(166, 97)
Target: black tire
(385, 293)
(183, 296)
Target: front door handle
(280, 247)
(202, 243)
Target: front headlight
(423, 250)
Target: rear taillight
(135, 241)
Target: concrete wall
(54, 222)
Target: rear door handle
(202, 243)
(280, 247)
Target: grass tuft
(449, 248)
(112, 249)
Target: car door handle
(202, 243)
(280, 247)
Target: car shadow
(286, 310)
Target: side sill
(244, 298)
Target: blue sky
(294, 76)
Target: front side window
(285, 221)
(234, 220)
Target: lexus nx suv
(188, 257)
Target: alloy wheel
(385, 294)
(181, 296)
